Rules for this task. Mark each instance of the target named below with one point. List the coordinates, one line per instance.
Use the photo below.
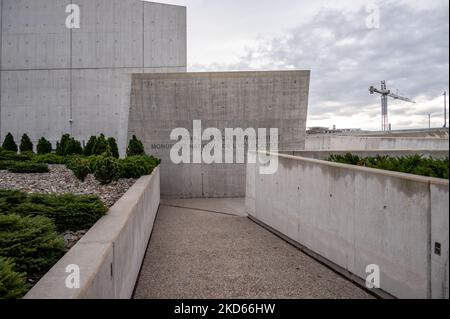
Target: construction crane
(385, 93)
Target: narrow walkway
(195, 253)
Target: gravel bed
(61, 180)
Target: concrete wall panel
(162, 102)
(35, 102)
(34, 35)
(165, 39)
(111, 34)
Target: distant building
(326, 130)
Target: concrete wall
(56, 80)
(163, 102)
(353, 216)
(324, 155)
(331, 142)
(111, 253)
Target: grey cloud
(410, 51)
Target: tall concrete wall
(331, 142)
(352, 217)
(56, 80)
(163, 102)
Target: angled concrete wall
(110, 255)
(324, 155)
(56, 80)
(352, 217)
(163, 102)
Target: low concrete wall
(110, 254)
(353, 217)
(327, 142)
(323, 155)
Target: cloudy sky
(410, 50)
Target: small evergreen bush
(113, 147)
(62, 144)
(101, 145)
(137, 166)
(107, 170)
(44, 146)
(89, 148)
(25, 144)
(31, 242)
(13, 156)
(80, 168)
(12, 284)
(135, 147)
(73, 147)
(9, 144)
(68, 212)
(49, 159)
(28, 168)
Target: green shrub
(9, 199)
(89, 148)
(49, 158)
(12, 284)
(62, 144)
(5, 165)
(137, 166)
(101, 145)
(25, 144)
(44, 146)
(80, 167)
(13, 156)
(414, 164)
(93, 160)
(68, 212)
(135, 147)
(28, 168)
(73, 147)
(107, 170)
(31, 242)
(9, 144)
(113, 147)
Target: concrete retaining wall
(324, 155)
(353, 217)
(327, 142)
(111, 253)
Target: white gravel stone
(61, 180)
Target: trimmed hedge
(12, 284)
(414, 164)
(13, 156)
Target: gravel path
(60, 180)
(198, 254)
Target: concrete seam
(430, 244)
